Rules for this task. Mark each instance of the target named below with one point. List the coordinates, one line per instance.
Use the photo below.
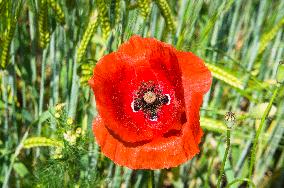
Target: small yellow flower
(70, 121)
(59, 106)
(70, 137)
(57, 153)
(57, 115)
(78, 130)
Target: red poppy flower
(148, 96)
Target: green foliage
(10, 17)
(86, 71)
(104, 17)
(213, 125)
(167, 14)
(267, 37)
(59, 14)
(91, 28)
(225, 76)
(20, 169)
(117, 10)
(48, 49)
(144, 6)
(280, 73)
(44, 35)
(41, 141)
(6, 43)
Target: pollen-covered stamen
(149, 99)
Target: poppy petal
(195, 75)
(161, 153)
(157, 130)
(117, 75)
(109, 74)
(159, 55)
(196, 80)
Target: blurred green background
(48, 49)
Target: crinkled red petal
(126, 137)
(118, 75)
(109, 75)
(156, 54)
(196, 80)
(163, 152)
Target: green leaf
(44, 116)
(20, 169)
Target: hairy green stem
(228, 142)
(256, 138)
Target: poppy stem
(151, 179)
(228, 142)
(256, 138)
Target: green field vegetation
(48, 49)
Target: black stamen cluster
(150, 109)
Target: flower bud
(57, 115)
(70, 121)
(230, 119)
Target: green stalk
(54, 84)
(228, 142)
(14, 158)
(41, 95)
(74, 91)
(127, 177)
(33, 46)
(4, 76)
(151, 182)
(117, 177)
(256, 138)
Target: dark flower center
(149, 99)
